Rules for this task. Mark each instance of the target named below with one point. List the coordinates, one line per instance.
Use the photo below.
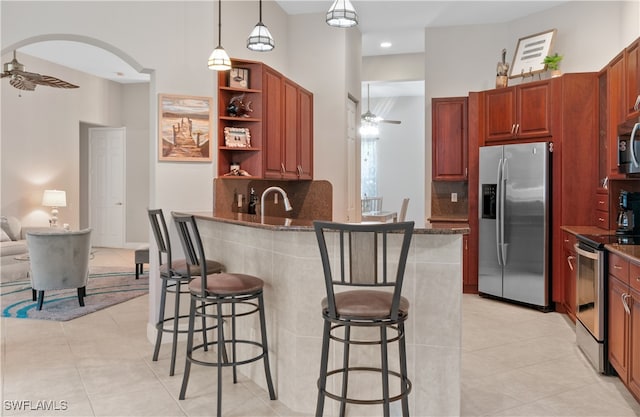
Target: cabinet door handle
(569, 259)
(617, 267)
(513, 129)
(636, 106)
(624, 297)
(282, 170)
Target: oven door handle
(586, 254)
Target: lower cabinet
(624, 323)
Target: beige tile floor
(516, 362)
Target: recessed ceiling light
(385, 45)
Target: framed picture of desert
(185, 128)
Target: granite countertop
(631, 252)
(587, 230)
(282, 224)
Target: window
(369, 166)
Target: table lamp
(54, 199)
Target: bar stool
(360, 257)
(173, 273)
(218, 291)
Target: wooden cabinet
(519, 112)
(570, 274)
(288, 128)
(614, 112)
(280, 125)
(632, 80)
(602, 208)
(449, 139)
(624, 321)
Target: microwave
(629, 147)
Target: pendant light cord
(260, 20)
(219, 22)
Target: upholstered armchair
(59, 260)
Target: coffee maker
(628, 213)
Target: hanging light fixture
(219, 60)
(260, 38)
(342, 14)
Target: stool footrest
(226, 343)
(400, 396)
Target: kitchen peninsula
(284, 253)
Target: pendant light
(219, 60)
(260, 38)
(342, 14)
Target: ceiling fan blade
(22, 84)
(54, 82)
(395, 122)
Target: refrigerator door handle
(499, 214)
(503, 187)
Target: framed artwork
(239, 78)
(185, 128)
(237, 137)
(530, 53)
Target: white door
(353, 166)
(106, 186)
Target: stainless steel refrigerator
(513, 256)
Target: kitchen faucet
(287, 204)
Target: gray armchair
(59, 260)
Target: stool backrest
(191, 245)
(161, 234)
(363, 255)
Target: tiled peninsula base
(289, 262)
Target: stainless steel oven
(590, 303)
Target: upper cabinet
(519, 112)
(449, 139)
(280, 125)
(632, 78)
(612, 113)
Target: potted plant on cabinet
(552, 63)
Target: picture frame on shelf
(237, 137)
(239, 77)
(530, 53)
(185, 128)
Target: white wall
(400, 155)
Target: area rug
(103, 290)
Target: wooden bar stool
(174, 273)
(358, 256)
(225, 293)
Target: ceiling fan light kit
(370, 119)
(260, 38)
(219, 59)
(342, 14)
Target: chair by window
(403, 210)
(357, 261)
(371, 204)
(59, 260)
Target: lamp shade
(260, 39)
(342, 14)
(219, 60)
(54, 198)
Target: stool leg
(204, 327)
(345, 366)
(403, 370)
(385, 370)
(137, 271)
(219, 364)
(187, 363)
(265, 347)
(176, 322)
(160, 324)
(233, 339)
(324, 359)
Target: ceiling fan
(372, 118)
(28, 81)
